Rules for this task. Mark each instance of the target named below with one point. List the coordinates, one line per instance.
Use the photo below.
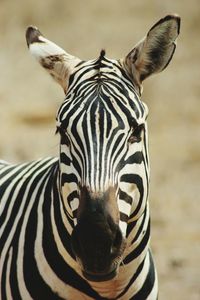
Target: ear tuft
(169, 19)
(54, 59)
(33, 35)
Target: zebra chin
(92, 273)
(99, 277)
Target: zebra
(77, 226)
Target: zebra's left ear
(54, 59)
(153, 53)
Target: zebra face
(104, 165)
(102, 124)
(103, 154)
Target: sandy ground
(29, 100)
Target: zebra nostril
(116, 247)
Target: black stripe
(76, 164)
(101, 142)
(141, 227)
(136, 158)
(134, 277)
(68, 178)
(123, 217)
(130, 227)
(79, 140)
(115, 154)
(61, 229)
(148, 284)
(138, 250)
(7, 169)
(13, 272)
(68, 216)
(93, 142)
(65, 159)
(125, 197)
(72, 195)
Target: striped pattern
(37, 220)
(103, 167)
(98, 117)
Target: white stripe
(8, 275)
(74, 204)
(123, 227)
(124, 207)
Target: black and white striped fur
(78, 227)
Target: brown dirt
(29, 100)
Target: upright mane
(100, 63)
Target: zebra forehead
(104, 115)
(101, 87)
(103, 106)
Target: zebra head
(104, 165)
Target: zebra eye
(136, 134)
(63, 135)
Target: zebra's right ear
(54, 59)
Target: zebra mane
(99, 62)
(102, 54)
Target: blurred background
(29, 100)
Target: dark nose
(97, 240)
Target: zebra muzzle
(97, 242)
